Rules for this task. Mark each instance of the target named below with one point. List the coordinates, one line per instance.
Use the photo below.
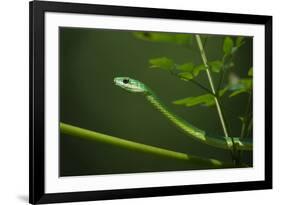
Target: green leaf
(186, 75)
(198, 69)
(181, 39)
(237, 92)
(227, 45)
(186, 67)
(229, 48)
(206, 100)
(247, 82)
(239, 41)
(186, 71)
(216, 66)
(223, 91)
(161, 63)
(250, 72)
(244, 85)
(190, 71)
(227, 61)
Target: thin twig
(202, 86)
(217, 101)
(205, 62)
(193, 81)
(247, 113)
(247, 124)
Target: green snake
(136, 86)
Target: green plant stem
(194, 82)
(217, 101)
(246, 124)
(130, 145)
(250, 125)
(243, 126)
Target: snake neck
(178, 121)
(187, 128)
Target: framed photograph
(140, 102)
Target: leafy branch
(189, 72)
(216, 98)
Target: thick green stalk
(115, 141)
(218, 104)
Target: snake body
(136, 86)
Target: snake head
(131, 85)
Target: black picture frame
(37, 11)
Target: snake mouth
(115, 81)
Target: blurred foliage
(181, 39)
(188, 71)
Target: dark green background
(91, 58)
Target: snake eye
(125, 81)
